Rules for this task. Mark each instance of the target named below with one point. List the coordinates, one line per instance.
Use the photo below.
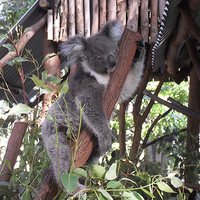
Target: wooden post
(71, 18)
(102, 12)
(95, 21)
(79, 17)
(87, 17)
(111, 9)
(12, 150)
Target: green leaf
(20, 59)
(10, 47)
(26, 195)
(164, 187)
(112, 172)
(20, 109)
(69, 181)
(49, 117)
(147, 192)
(79, 172)
(10, 62)
(176, 182)
(2, 35)
(127, 179)
(48, 57)
(105, 194)
(64, 87)
(97, 171)
(53, 80)
(132, 196)
(41, 84)
(113, 184)
(26, 29)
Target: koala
(96, 58)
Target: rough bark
(12, 150)
(71, 18)
(121, 11)
(79, 17)
(111, 9)
(192, 139)
(154, 20)
(133, 13)
(87, 17)
(95, 22)
(144, 20)
(102, 6)
(24, 40)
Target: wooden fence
(71, 17)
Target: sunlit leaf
(97, 171)
(164, 187)
(105, 194)
(10, 47)
(176, 182)
(64, 87)
(49, 117)
(20, 109)
(111, 174)
(20, 59)
(79, 172)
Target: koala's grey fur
(96, 57)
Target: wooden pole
(12, 150)
(24, 40)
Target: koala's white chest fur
(101, 78)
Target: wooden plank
(144, 20)
(87, 17)
(64, 16)
(79, 17)
(71, 18)
(133, 13)
(102, 12)
(49, 24)
(121, 11)
(154, 21)
(111, 9)
(95, 21)
(56, 22)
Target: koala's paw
(140, 52)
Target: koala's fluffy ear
(113, 30)
(73, 49)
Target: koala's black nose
(111, 61)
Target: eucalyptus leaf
(53, 80)
(164, 187)
(105, 194)
(20, 109)
(113, 184)
(79, 172)
(10, 47)
(5, 190)
(26, 195)
(69, 181)
(176, 182)
(97, 171)
(112, 172)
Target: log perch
(12, 150)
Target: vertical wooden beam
(144, 13)
(192, 143)
(133, 13)
(71, 18)
(111, 9)
(121, 11)
(87, 17)
(95, 21)
(154, 21)
(102, 7)
(56, 22)
(79, 17)
(63, 16)
(50, 24)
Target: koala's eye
(114, 53)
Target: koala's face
(101, 54)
